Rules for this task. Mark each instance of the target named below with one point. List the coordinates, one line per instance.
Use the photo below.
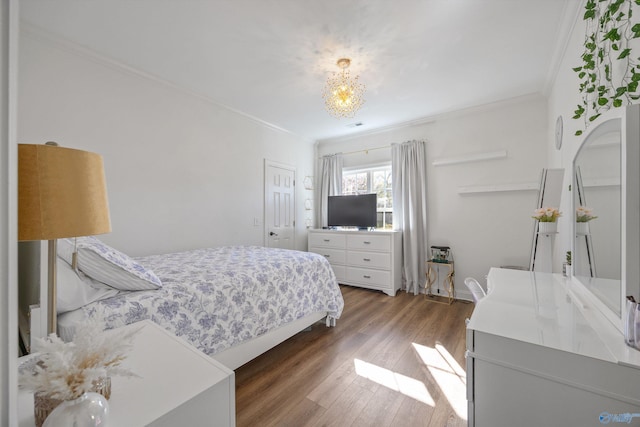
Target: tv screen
(352, 211)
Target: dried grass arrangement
(60, 371)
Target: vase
(547, 227)
(582, 228)
(43, 405)
(89, 410)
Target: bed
(233, 303)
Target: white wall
(562, 100)
(483, 229)
(181, 171)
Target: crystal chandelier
(342, 93)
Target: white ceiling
(270, 58)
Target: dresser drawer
(327, 240)
(369, 242)
(334, 256)
(378, 278)
(380, 260)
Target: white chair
(476, 289)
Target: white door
(279, 205)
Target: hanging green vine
(609, 75)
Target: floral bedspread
(216, 298)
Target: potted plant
(547, 219)
(583, 216)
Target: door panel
(279, 205)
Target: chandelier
(342, 93)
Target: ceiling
(269, 59)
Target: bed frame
(237, 356)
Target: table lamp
(61, 193)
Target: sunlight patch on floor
(448, 374)
(394, 381)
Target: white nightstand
(180, 386)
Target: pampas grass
(65, 371)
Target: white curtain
(329, 184)
(409, 177)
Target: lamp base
(52, 292)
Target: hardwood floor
(389, 362)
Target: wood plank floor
(389, 362)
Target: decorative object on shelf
(547, 227)
(547, 214)
(547, 218)
(583, 216)
(609, 73)
(89, 410)
(343, 94)
(62, 192)
(440, 254)
(60, 371)
(582, 228)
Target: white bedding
(216, 298)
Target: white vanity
(539, 356)
(544, 350)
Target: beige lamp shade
(61, 193)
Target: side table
(433, 270)
(178, 386)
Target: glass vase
(89, 410)
(43, 405)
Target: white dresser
(538, 356)
(179, 386)
(368, 259)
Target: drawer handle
(326, 240)
(366, 277)
(366, 259)
(327, 256)
(367, 243)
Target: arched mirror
(605, 212)
(597, 262)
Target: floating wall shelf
(478, 157)
(470, 189)
(602, 182)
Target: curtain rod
(366, 150)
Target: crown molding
(455, 113)
(570, 17)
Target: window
(372, 180)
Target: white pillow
(108, 265)
(75, 290)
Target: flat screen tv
(352, 211)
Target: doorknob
(272, 233)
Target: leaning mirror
(605, 217)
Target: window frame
(369, 170)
